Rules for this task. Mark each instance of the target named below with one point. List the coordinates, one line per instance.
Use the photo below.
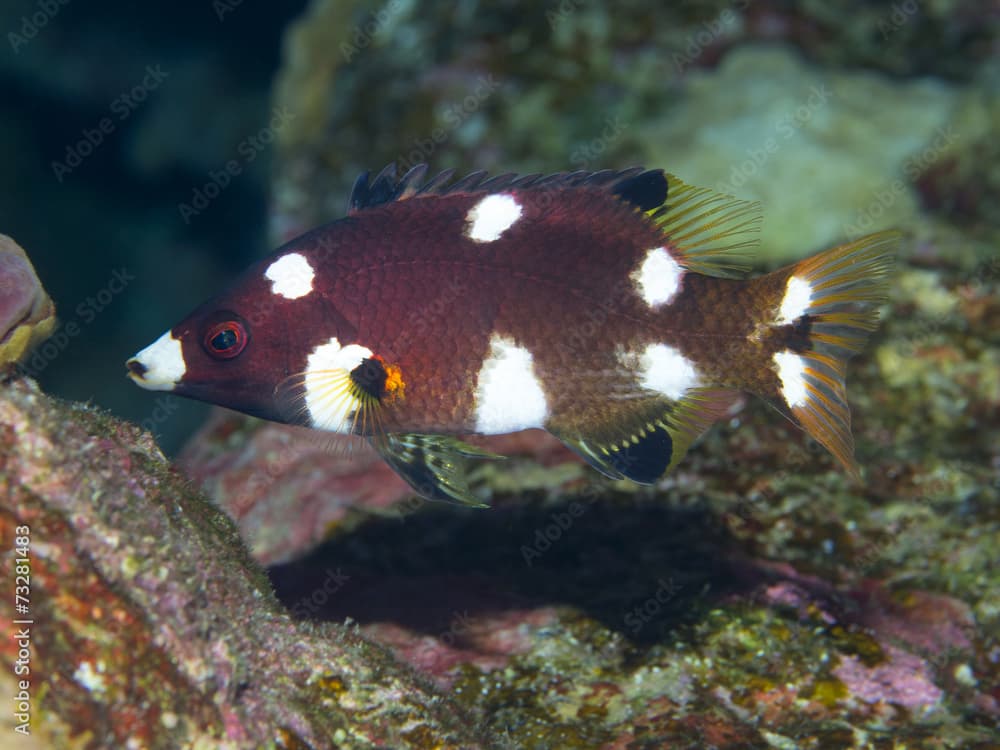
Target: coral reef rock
(151, 625)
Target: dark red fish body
(590, 305)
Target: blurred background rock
(64, 68)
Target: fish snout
(160, 366)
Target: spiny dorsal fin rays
(715, 234)
(642, 188)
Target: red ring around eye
(226, 340)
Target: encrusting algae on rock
(153, 628)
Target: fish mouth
(136, 369)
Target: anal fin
(433, 465)
(645, 449)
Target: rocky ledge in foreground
(153, 627)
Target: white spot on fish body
(665, 370)
(491, 217)
(328, 395)
(291, 276)
(162, 364)
(508, 395)
(791, 371)
(795, 303)
(658, 279)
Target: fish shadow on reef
(642, 569)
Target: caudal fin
(827, 309)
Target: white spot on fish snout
(509, 397)
(791, 371)
(328, 397)
(658, 279)
(291, 276)
(491, 217)
(795, 303)
(160, 366)
(664, 369)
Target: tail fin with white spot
(826, 310)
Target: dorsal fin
(713, 233)
(644, 189)
(710, 233)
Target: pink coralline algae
(152, 626)
(904, 679)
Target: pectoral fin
(433, 465)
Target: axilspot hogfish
(607, 308)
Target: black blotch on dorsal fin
(645, 460)
(644, 189)
(385, 188)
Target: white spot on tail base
(795, 303)
(164, 364)
(491, 217)
(658, 279)
(327, 379)
(666, 370)
(791, 371)
(291, 276)
(508, 395)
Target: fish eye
(226, 340)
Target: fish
(612, 309)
